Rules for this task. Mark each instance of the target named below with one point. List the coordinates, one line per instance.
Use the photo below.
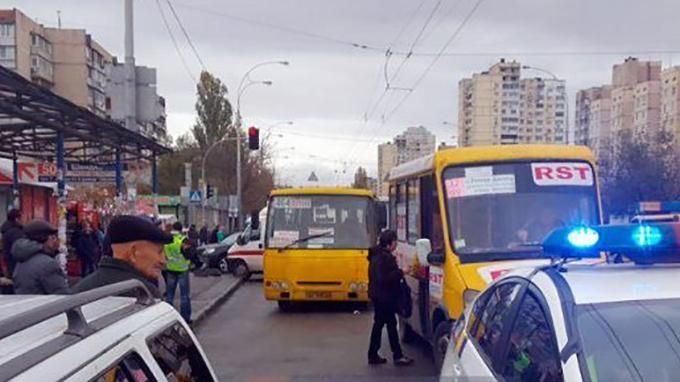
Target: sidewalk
(207, 293)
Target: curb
(213, 304)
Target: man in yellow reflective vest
(177, 271)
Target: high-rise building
(498, 107)
(415, 142)
(631, 103)
(387, 159)
(670, 100)
(67, 61)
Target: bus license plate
(324, 295)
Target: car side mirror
(423, 249)
(241, 240)
(436, 258)
(255, 220)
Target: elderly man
(137, 246)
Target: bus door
(431, 286)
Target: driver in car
(536, 229)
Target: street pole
(204, 180)
(130, 83)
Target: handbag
(404, 302)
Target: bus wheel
(241, 270)
(285, 306)
(442, 337)
(408, 335)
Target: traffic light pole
(205, 157)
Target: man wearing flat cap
(137, 246)
(37, 270)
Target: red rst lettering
(542, 172)
(564, 172)
(582, 171)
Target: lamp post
(245, 83)
(566, 95)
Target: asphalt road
(248, 339)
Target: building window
(6, 30)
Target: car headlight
(353, 286)
(278, 285)
(284, 285)
(209, 251)
(363, 287)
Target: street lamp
(245, 83)
(566, 95)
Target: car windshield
(630, 341)
(320, 221)
(509, 209)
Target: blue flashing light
(583, 237)
(646, 235)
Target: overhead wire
(186, 34)
(174, 42)
(436, 59)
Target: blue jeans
(171, 281)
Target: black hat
(39, 230)
(127, 228)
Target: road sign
(195, 196)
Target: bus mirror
(423, 249)
(381, 218)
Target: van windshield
(320, 221)
(507, 210)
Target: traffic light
(253, 138)
(209, 191)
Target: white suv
(93, 336)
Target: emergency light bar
(648, 243)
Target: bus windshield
(507, 210)
(320, 221)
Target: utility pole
(130, 81)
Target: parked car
(94, 336)
(215, 255)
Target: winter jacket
(111, 271)
(36, 271)
(88, 247)
(11, 232)
(383, 276)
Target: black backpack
(404, 302)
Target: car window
(492, 319)
(178, 356)
(129, 369)
(532, 350)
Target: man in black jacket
(138, 254)
(11, 231)
(384, 277)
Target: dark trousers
(87, 266)
(384, 315)
(171, 281)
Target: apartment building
(415, 142)
(670, 100)
(387, 160)
(67, 61)
(499, 107)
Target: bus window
(401, 217)
(505, 210)
(413, 210)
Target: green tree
(213, 109)
(640, 168)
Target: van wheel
(241, 270)
(442, 338)
(285, 306)
(223, 266)
(408, 335)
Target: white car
(246, 257)
(579, 322)
(92, 336)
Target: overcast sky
(330, 85)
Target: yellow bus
(316, 244)
(465, 216)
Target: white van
(245, 257)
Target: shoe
(403, 361)
(378, 360)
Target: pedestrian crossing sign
(195, 196)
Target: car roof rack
(78, 327)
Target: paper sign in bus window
(455, 188)
(300, 203)
(328, 239)
(480, 185)
(283, 238)
(562, 174)
(324, 214)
